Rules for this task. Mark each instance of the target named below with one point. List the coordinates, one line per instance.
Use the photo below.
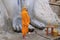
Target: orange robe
(25, 21)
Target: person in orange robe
(25, 21)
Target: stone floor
(9, 34)
(6, 33)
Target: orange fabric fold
(25, 21)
